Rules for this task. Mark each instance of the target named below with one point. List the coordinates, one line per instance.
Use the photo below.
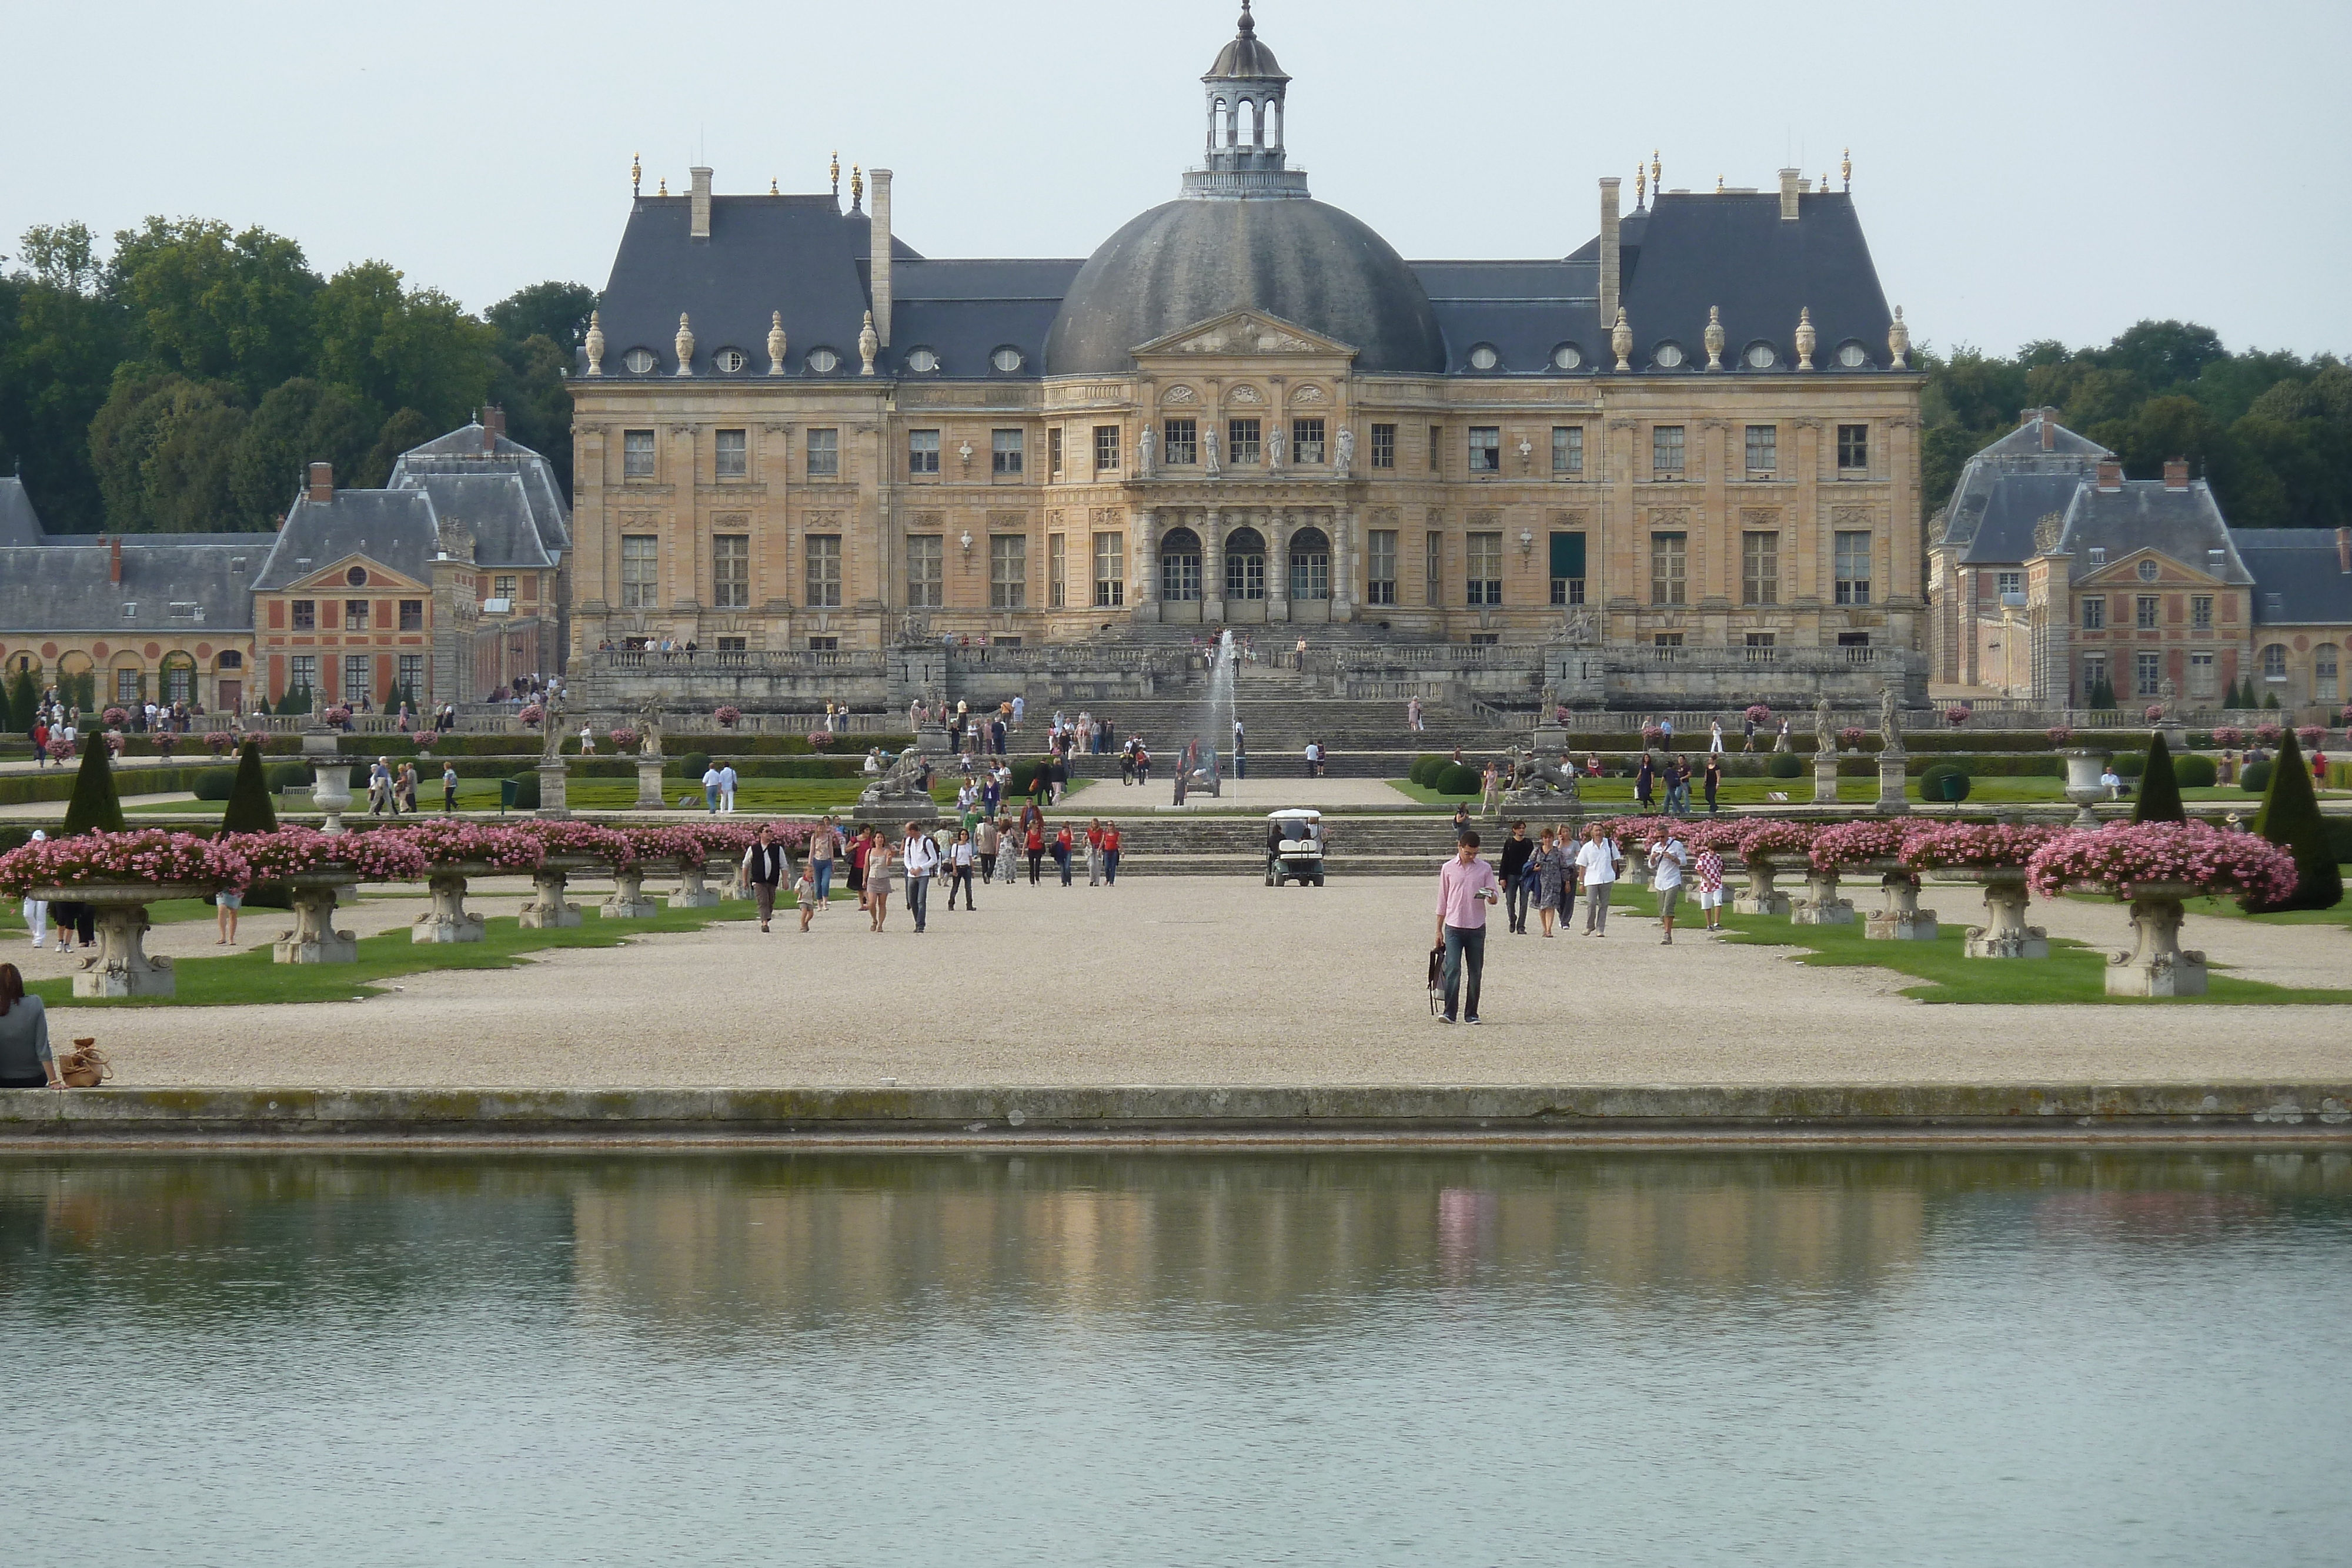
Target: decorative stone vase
(2004, 933)
(629, 901)
(2083, 787)
(449, 920)
(331, 792)
(314, 939)
(1760, 896)
(120, 920)
(1901, 919)
(1821, 905)
(2156, 966)
(691, 892)
(548, 910)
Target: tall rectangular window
(2150, 670)
(2008, 582)
(1759, 568)
(1180, 441)
(1486, 449)
(638, 566)
(1669, 567)
(1436, 448)
(358, 680)
(1666, 450)
(1384, 446)
(636, 454)
(1380, 566)
(2201, 679)
(306, 615)
(2095, 674)
(1763, 448)
(926, 571)
(412, 615)
(824, 454)
(1568, 568)
(1241, 441)
(731, 454)
(2144, 612)
(1482, 567)
(730, 571)
(1054, 449)
(1433, 570)
(302, 673)
(503, 586)
(1852, 562)
(1111, 570)
(355, 615)
(2094, 614)
(1854, 451)
(824, 554)
(2201, 612)
(1057, 590)
(1306, 440)
(412, 674)
(1106, 449)
(1008, 572)
(1007, 449)
(922, 452)
(1567, 449)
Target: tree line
(181, 384)
(2271, 431)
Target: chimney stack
(2344, 549)
(2176, 473)
(114, 560)
(2111, 471)
(698, 224)
(494, 424)
(2049, 431)
(879, 272)
(1788, 196)
(1608, 260)
(322, 482)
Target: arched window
(1245, 564)
(1180, 567)
(1311, 564)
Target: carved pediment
(1181, 394)
(334, 580)
(1243, 332)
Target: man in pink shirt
(1465, 887)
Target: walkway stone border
(45, 1117)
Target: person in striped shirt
(1707, 872)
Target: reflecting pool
(2059, 1357)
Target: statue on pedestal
(1824, 736)
(649, 735)
(1890, 729)
(550, 726)
(1145, 451)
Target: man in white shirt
(727, 781)
(710, 789)
(1596, 869)
(920, 855)
(959, 862)
(1668, 856)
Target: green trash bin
(505, 796)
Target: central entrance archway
(1245, 575)
(1179, 576)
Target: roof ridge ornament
(1657, 173)
(857, 186)
(867, 344)
(1714, 337)
(595, 344)
(636, 174)
(1621, 341)
(1898, 342)
(1806, 338)
(1641, 182)
(1845, 167)
(684, 343)
(836, 175)
(776, 343)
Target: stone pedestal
(931, 740)
(448, 920)
(2156, 966)
(649, 784)
(547, 910)
(2005, 934)
(550, 791)
(1821, 905)
(692, 893)
(1901, 919)
(628, 901)
(1760, 896)
(1891, 803)
(314, 939)
(123, 968)
(1825, 778)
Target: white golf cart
(1294, 847)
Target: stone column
(1213, 565)
(1343, 571)
(1146, 598)
(1277, 564)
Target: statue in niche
(1147, 451)
(1276, 441)
(1209, 451)
(1347, 450)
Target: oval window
(638, 362)
(357, 576)
(1484, 358)
(1761, 356)
(2147, 572)
(730, 359)
(823, 362)
(1567, 357)
(923, 362)
(1853, 356)
(1007, 360)
(1668, 356)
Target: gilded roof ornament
(636, 174)
(1845, 168)
(836, 174)
(1657, 173)
(1641, 182)
(857, 186)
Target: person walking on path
(1706, 872)
(1035, 846)
(711, 789)
(727, 782)
(1668, 856)
(821, 847)
(765, 862)
(959, 859)
(986, 840)
(1644, 782)
(859, 846)
(921, 855)
(1597, 863)
(1490, 795)
(1061, 847)
(804, 894)
(1518, 850)
(1110, 854)
(877, 878)
(1715, 737)
(1008, 853)
(1094, 851)
(1551, 868)
(1413, 716)
(36, 911)
(1712, 778)
(448, 789)
(1465, 888)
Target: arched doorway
(1244, 575)
(1311, 565)
(177, 678)
(1180, 575)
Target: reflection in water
(1057, 1358)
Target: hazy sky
(2050, 169)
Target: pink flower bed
(296, 851)
(2269, 734)
(1974, 845)
(2230, 737)
(2312, 736)
(1654, 735)
(681, 843)
(1850, 736)
(1850, 843)
(148, 854)
(1782, 839)
(339, 716)
(1721, 835)
(1758, 712)
(220, 740)
(449, 842)
(2124, 855)
(61, 750)
(114, 718)
(820, 740)
(624, 739)
(582, 838)
(729, 718)
(426, 739)
(532, 715)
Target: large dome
(1290, 256)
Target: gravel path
(1198, 981)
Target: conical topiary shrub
(2290, 819)
(2160, 788)
(95, 807)
(248, 810)
(23, 702)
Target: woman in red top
(1094, 851)
(1110, 854)
(1061, 852)
(857, 848)
(1035, 845)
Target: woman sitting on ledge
(25, 1061)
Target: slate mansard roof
(2006, 490)
(2300, 570)
(501, 490)
(2146, 513)
(397, 530)
(177, 584)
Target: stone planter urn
(330, 791)
(548, 910)
(1901, 919)
(123, 968)
(449, 920)
(1821, 905)
(1760, 896)
(2156, 966)
(629, 901)
(692, 892)
(2004, 933)
(2083, 785)
(314, 939)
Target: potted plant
(571, 847)
(1994, 855)
(2312, 736)
(2153, 866)
(1851, 737)
(1876, 845)
(532, 716)
(426, 740)
(455, 851)
(1765, 848)
(625, 739)
(2060, 735)
(315, 868)
(1957, 715)
(114, 718)
(820, 740)
(2229, 736)
(220, 741)
(729, 718)
(119, 874)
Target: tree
(2166, 353)
(2290, 819)
(60, 338)
(248, 810)
(95, 807)
(400, 348)
(24, 701)
(531, 387)
(404, 430)
(301, 422)
(556, 311)
(161, 448)
(2160, 788)
(212, 305)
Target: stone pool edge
(33, 1117)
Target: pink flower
(2123, 855)
(532, 715)
(449, 842)
(1780, 840)
(624, 739)
(1974, 845)
(2229, 736)
(1758, 712)
(1850, 843)
(2058, 734)
(729, 718)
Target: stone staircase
(1402, 845)
(1282, 723)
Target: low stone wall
(2302, 1110)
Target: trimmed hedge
(2255, 777)
(526, 792)
(1944, 781)
(2195, 772)
(527, 744)
(1426, 770)
(1784, 765)
(2129, 765)
(214, 783)
(1459, 779)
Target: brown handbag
(85, 1066)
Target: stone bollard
(548, 910)
(314, 939)
(629, 901)
(1760, 896)
(1821, 905)
(2005, 934)
(1902, 919)
(691, 892)
(448, 920)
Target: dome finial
(1247, 25)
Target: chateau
(1692, 443)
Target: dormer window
(1007, 360)
(2099, 555)
(638, 362)
(1761, 356)
(130, 610)
(729, 360)
(823, 362)
(1567, 357)
(1853, 356)
(1667, 356)
(923, 362)
(1484, 358)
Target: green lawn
(797, 796)
(168, 912)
